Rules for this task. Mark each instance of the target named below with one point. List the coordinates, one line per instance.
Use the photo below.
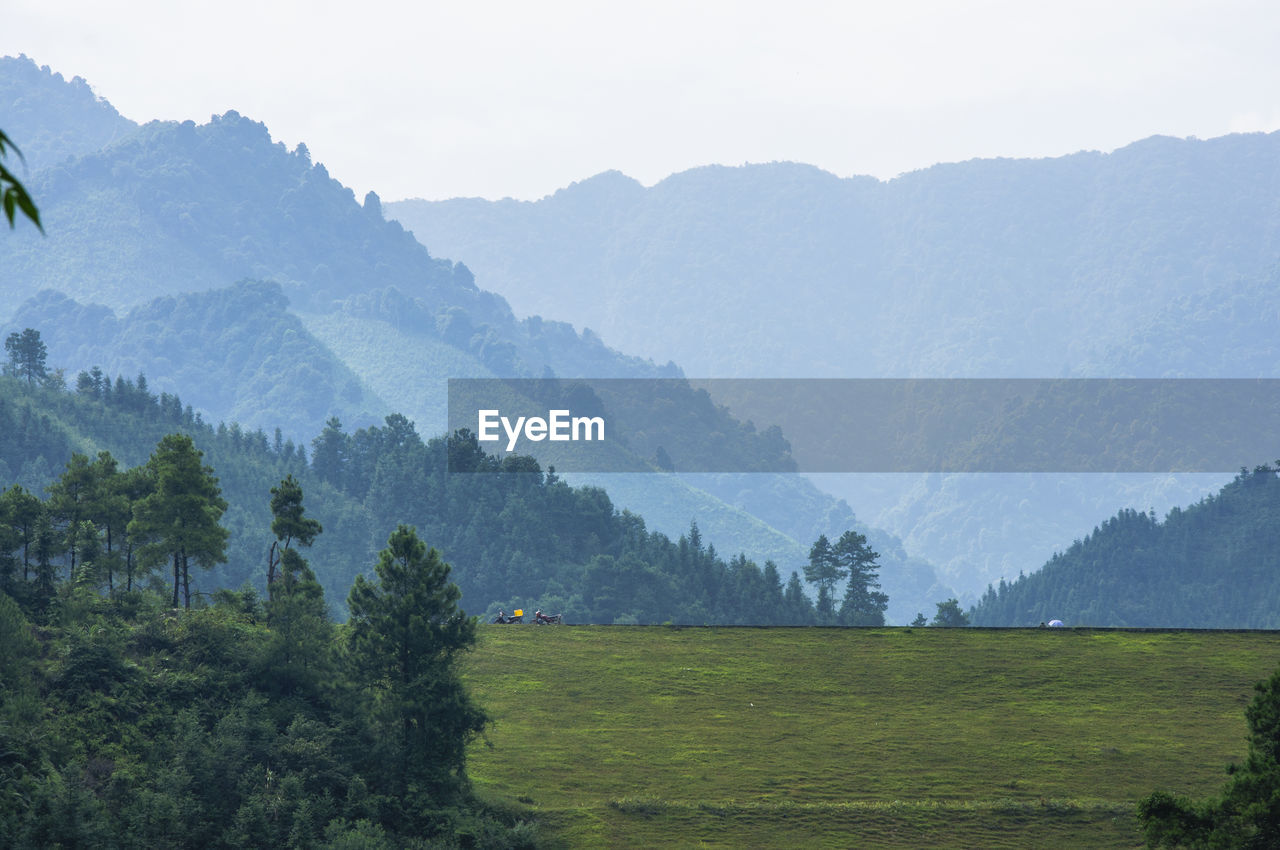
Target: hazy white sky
(520, 98)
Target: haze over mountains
(988, 268)
(177, 245)
(1155, 260)
(345, 313)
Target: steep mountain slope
(1211, 565)
(179, 207)
(176, 207)
(52, 119)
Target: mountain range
(239, 275)
(1154, 260)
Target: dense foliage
(173, 208)
(517, 536)
(1215, 564)
(527, 538)
(236, 353)
(125, 723)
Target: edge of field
(894, 737)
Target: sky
(518, 99)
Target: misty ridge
(1089, 265)
(1152, 260)
(1155, 260)
(336, 312)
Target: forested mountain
(515, 535)
(54, 118)
(1214, 564)
(242, 352)
(1155, 260)
(178, 207)
(138, 225)
(235, 353)
(174, 208)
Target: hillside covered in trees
(1214, 564)
(237, 353)
(517, 536)
(249, 722)
(155, 234)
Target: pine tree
(288, 525)
(109, 508)
(329, 453)
(69, 502)
(27, 356)
(825, 571)
(798, 609)
(863, 604)
(178, 520)
(297, 655)
(21, 511)
(950, 615)
(406, 633)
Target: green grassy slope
(888, 738)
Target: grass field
(739, 737)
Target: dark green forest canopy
(126, 723)
(517, 536)
(521, 537)
(1214, 564)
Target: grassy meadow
(743, 737)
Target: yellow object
(519, 612)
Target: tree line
(519, 536)
(243, 721)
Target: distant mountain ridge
(1002, 268)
